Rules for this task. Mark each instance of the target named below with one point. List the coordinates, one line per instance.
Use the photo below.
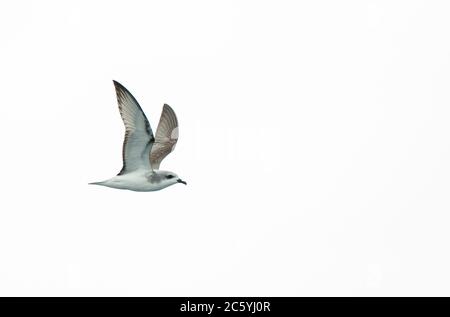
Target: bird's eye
(170, 176)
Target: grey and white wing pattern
(166, 136)
(138, 132)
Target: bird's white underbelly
(137, 181)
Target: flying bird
(143, 152)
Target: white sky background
(314, 137)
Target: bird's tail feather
(96, 183)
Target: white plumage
(142, 153)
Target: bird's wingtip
(117, 84)
(166, 106)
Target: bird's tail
(97, 183)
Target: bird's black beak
(181, 181)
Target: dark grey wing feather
(138, 132)
(166, 136)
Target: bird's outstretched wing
(166, 136)
(138, 132)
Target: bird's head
(170, 178)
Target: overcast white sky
(314, 137)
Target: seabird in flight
(143, 152)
